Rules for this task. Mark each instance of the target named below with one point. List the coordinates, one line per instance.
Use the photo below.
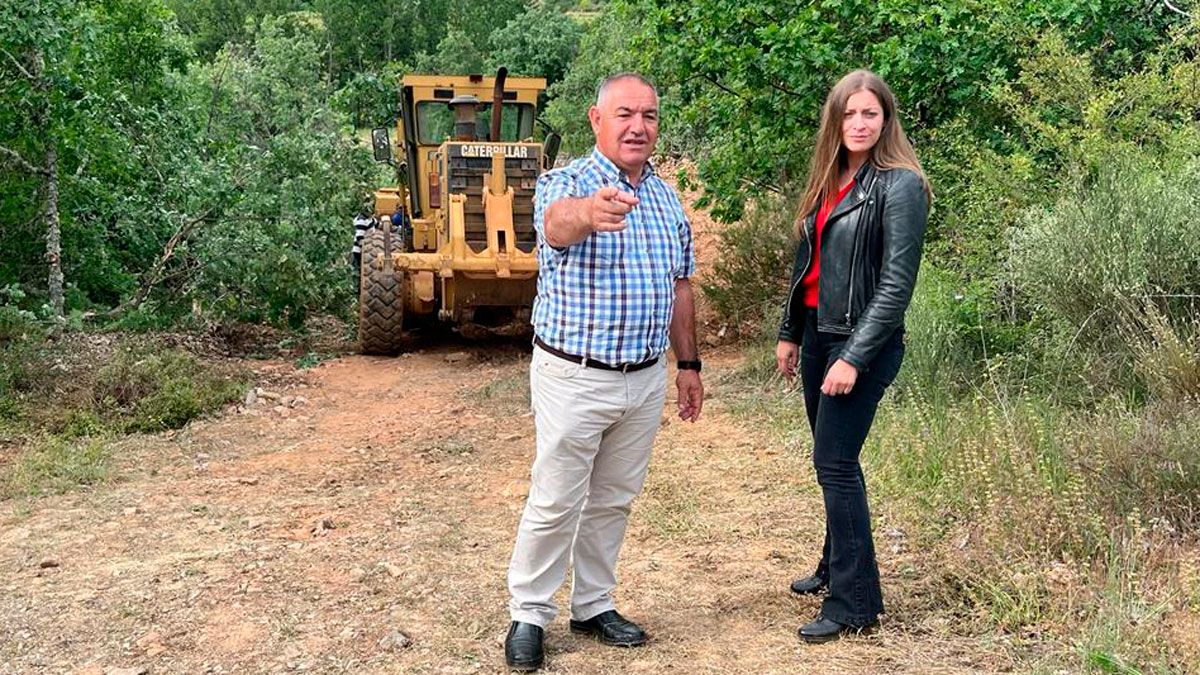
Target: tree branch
(769, 187)
(17, 63)
(1175, 9)
(16, 158)
(727, 90)
(154, 275)
(785, 90)
(82, 165)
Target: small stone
(152, 644)
(254, 523)
(391, 569)
(512, 437)
(323, 526)
(358, 574)
(269, 395)
(299, 402)
(130, 511)
(136, 670)
(251, 398)
(47, 563)
(712, 340)
(456, 357)
(248, 480)
(394, 641)
(518, 489)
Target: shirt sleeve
(551, 187)
(687, 265)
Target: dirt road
(362, 522)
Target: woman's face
(862, 121)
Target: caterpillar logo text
(485, 150)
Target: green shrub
(754, 264)
(20, 333)
(147, 392)
(17, 325)
(1089, 264)
(943, 334)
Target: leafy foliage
(540, 42)
(759, 70)
(605, 47)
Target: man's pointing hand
(608, 207)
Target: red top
(810, 280)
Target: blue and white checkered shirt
(610, 296)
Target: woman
(860, 231)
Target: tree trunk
(53, 233)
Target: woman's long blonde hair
(892, 151)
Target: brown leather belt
(593, 363)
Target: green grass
(61, 405)
(52, 465)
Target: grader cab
(455, 241)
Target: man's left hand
(691, 394)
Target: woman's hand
(840, 379)
(787, 355)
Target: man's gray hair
(626, 75)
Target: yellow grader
(455, 241)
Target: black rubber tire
(380, 298)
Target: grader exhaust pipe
(498, 103)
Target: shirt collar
(612, 173)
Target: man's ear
(594, 118)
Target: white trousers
(595, 430)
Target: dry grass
(1067, 534)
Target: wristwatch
(688, 365)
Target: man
(615, 254)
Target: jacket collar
(612, 174)
(863, 182)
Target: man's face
(625, 121)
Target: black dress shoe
(827, 630)
(523, 647)
(612, 629)
(810, 585)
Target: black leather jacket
(870, 252)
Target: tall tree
(27, 34)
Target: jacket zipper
(807, 264)
(853, 259)
(854, 251)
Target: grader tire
(381, 298)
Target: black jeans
(840, 425)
